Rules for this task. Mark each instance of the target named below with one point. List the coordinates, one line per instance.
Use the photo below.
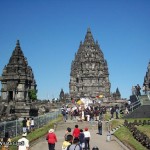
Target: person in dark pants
(51, 139)
(24, 125)
(87, 139)
(117, 111)
(100, 127)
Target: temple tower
(17, 79)
(147, 78)
(89, 75)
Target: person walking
(51, 139)
(82, 138)
(87, 138)
(76, 132)
(24, 125)
(100, 127)
(23, 143)
(75, 145)
(68, 132)
(67, 142)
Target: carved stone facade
(17, 79)
(89, 75)
(147, 78)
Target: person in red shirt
(51, 139)
(76, 132)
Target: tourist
(144, 88)
(100, 127)
(112, 111)
(117, 111)
(75, 145)
(76, 132)
(23, 143)
(28, 125)
(101, 114)
(32, 124)
(24, 125)
(133, 90)
(63, 111)
(67, 142)
(87, 138)
(4, 141)
(82, 138)
(138, 89)
(91, 117)
(51, 139)
(68, 132)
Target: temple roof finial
(17, 43)
(88, 30)
(89, 37)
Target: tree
(32, 94)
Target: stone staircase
(142, 111)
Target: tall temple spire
(89, 37)
(89, 75)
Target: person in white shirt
(87, 136)
(32, 124)
(23, 143)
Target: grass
(40, 132)
(125, 136)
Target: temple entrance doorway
(10, 96)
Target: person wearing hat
(51, 139)
(87, 138)
(23, 143)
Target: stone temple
(147, 78)
(89, 75)
(17, 79)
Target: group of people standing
(90, 113)
(136, 90)
(78, 139)
(27, 125)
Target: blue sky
(50, 32)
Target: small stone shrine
(17, 79)
(89, 75)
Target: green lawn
(125, 136)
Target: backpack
(99, 124)
(75, 147)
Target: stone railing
(15, 127)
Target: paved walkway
(96, 139)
